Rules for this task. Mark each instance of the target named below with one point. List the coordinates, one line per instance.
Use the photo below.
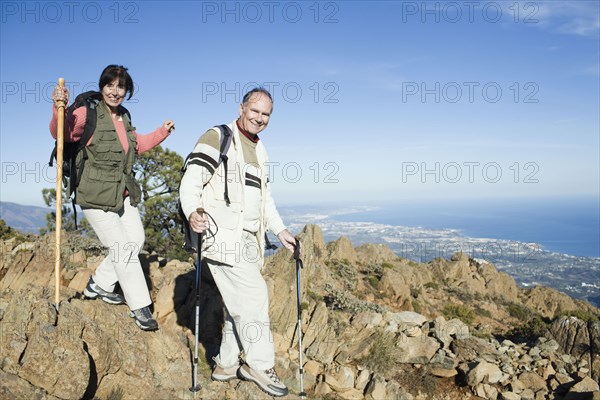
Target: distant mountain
(23, 218)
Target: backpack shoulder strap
(90, 121)
(226, 137)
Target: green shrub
(373, 281)
(483, 312)
(519, 312)
(417, 306)
(387, 265)
(583, 315)
(384, 353)
(314, 295)
(529, 331)
(461, 312)
(432, 285)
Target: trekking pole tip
(195, 388)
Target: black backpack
(71, 170)
(190, 238)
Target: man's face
(255, 113)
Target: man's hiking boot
(93, 291)
(144, 319)
(224, 374)
(267, 380)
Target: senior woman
(108, 193)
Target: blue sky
(385, 100)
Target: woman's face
(113, 94)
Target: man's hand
(198, 222)
(288, 240)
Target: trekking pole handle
(200, 210)
(297, 252)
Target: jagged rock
(486, 391)
(498, 284)
(532, 381)
(393, 285)
(351, 394)
(547, 347)
(320, 340)
(405, 318)
(548, 302)
(583, 389)
(527, 394)
(484, 372)
(312, 367)
(472, 348)
(23, 247)
(341, 379)
(80, 280)
(367, 319)
(362, 380)
(395, 391)
(53, 359)
(375, 253)
(447, 331)
(341, 249)
(443, 373)
(561, 383)
(376, 389)
(579, 339)
(13, 387)
(416, 350)
(510, 396)
(546, 371)
(442, 361)
(322, 389)
(594, 332)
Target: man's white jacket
(202, 188)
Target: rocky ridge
(375, 326)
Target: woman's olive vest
(108, 170)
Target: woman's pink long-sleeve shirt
(75, 123)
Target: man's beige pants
(246, 298)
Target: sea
(564, 225)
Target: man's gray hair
(258, 90)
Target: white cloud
(580, 18)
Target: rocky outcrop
(474, 276)
(579, 339)
(550, 302)
(375, 326)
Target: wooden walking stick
(60, 106)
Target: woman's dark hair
(119, 72)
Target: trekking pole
(60, 126)
(195, 386)
(299, 265)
